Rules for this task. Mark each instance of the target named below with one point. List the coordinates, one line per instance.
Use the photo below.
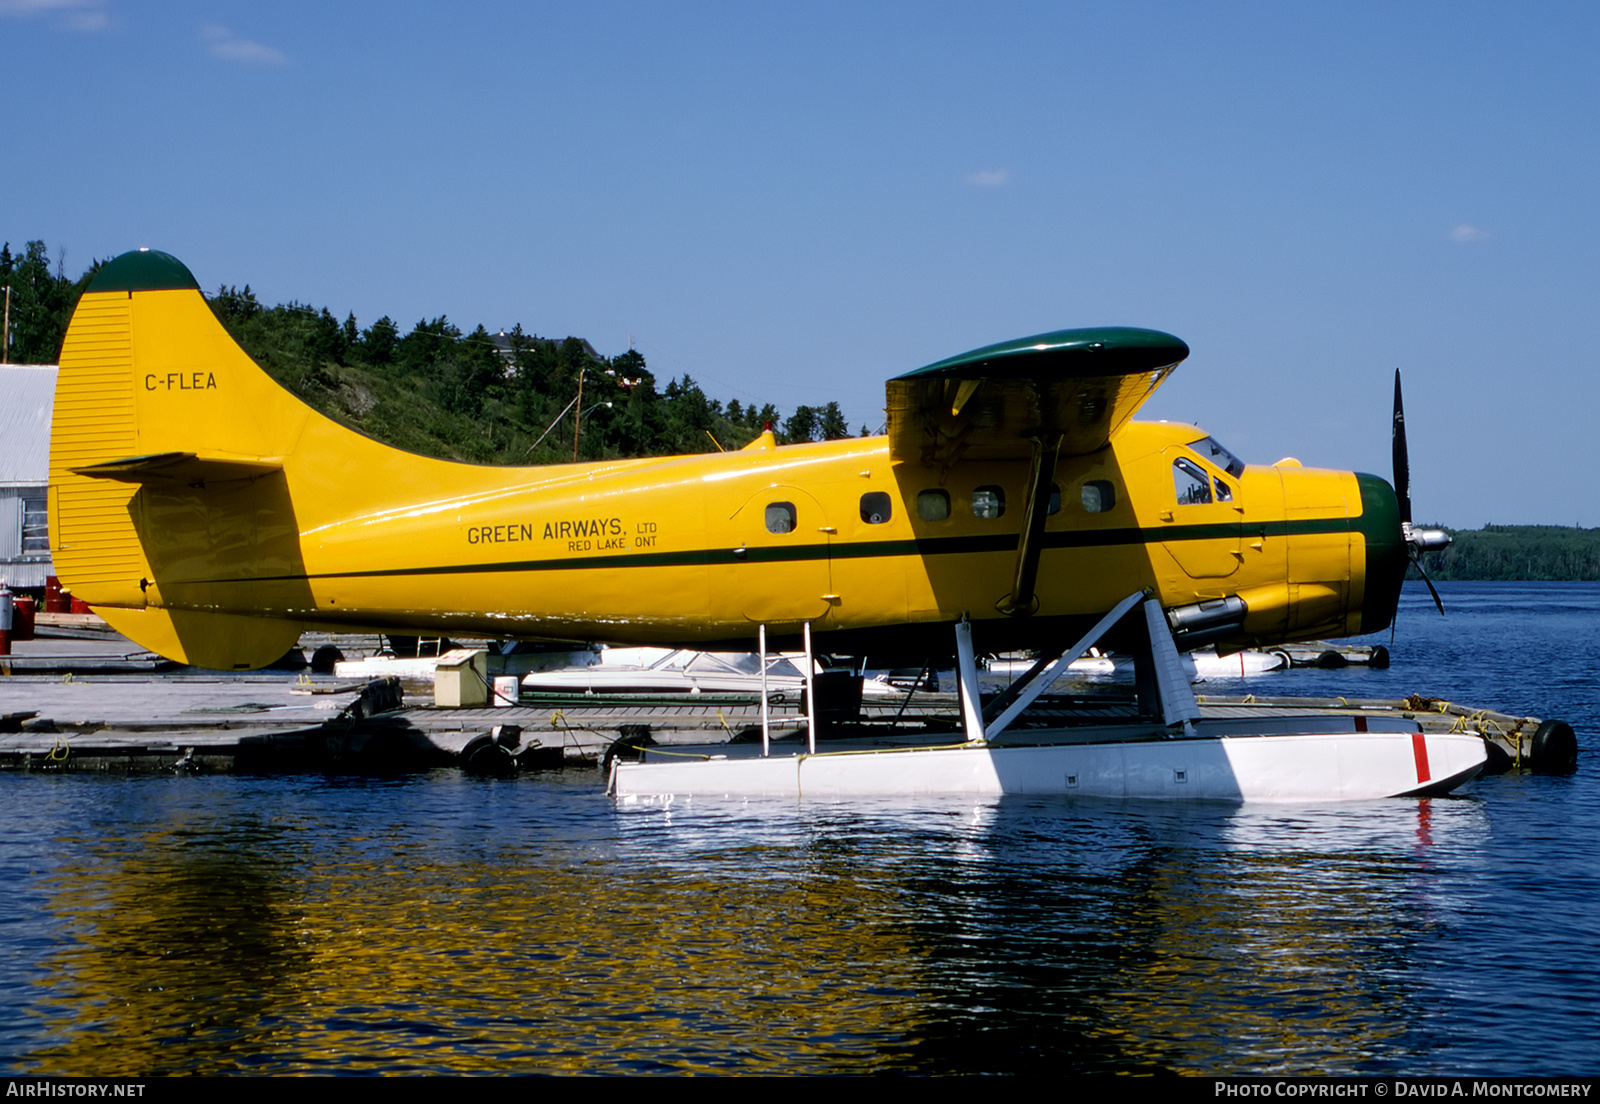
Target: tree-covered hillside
(508, 398)
(439, 391)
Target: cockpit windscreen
(1212, 450)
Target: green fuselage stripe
(926, 546)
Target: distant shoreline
(1516, 553)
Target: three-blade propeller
(1417, 540)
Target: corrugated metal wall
(27, 397)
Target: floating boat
(1172, 752)
(1206, 663)
(671, 671)
(407, 669)
(606, 670)
(1199, 665)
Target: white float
(1180, 755)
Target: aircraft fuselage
(701, 549)
(212, 516)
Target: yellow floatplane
(211, 516)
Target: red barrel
(55, 600)
(22, 611)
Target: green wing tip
(144, 270)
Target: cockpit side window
(1210, 449)
(1190, 483)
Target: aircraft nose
(1378, 528)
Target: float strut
(967, 677)
(1043, 676)
(766, 713)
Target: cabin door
(780, 574)
(1205, 534)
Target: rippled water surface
(437, 923)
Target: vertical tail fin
(160, 419)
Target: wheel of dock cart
(324, 659)
(1554, 748)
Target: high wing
(1001, 401)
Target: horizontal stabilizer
(187, 468)
(992, 403)
(217, 641)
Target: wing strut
(1021, 601)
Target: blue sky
(793, 203)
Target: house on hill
(508, 353)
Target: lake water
(437, 923)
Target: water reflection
(443, 925)
(1189, 939)
(436, 923)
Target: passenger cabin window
(933, 505)
(780, 517)
(988, 502)
(1099, 497)
(1191, 483)
(1224, 492)
(875, 507)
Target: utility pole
(577, 423)
(5, 333)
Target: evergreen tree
(831, 423)
(801, 427)
(688, 417)
(427, 346)
(41, 305)
(234, 307)
(477, 373)
(326, 338)
(380, 342)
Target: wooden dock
(80, 698)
